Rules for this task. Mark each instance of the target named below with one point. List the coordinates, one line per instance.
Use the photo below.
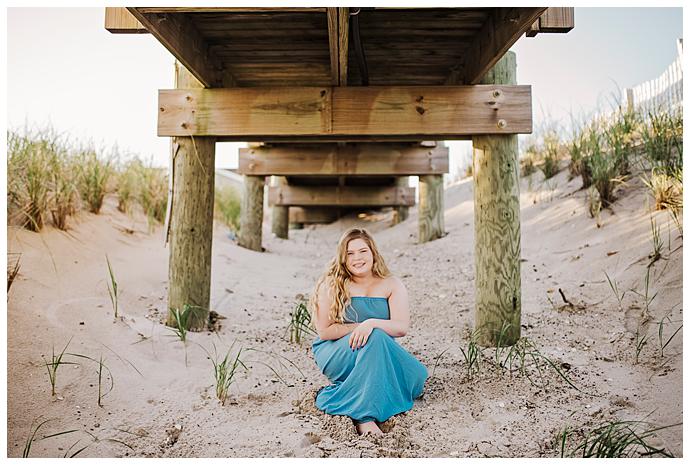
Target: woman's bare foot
(369, 427)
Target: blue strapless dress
(379, 380)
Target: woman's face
(360, 260)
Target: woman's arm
(399, 321)
(326, 328)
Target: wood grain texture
(120, 21)
(435, 112)
(558, 20)
(500, 31)
(190, 221)
(279, 214)
(431, 209)
(497, 227)
(252, 213)
(313, 215)
(332, 15)
(353, 196)
(177, 34)
(351, 159)
(401, 212)
(343, 44)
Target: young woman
(358, 308)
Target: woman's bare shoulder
(325, 289)
(393, 283)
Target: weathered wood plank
(312, 215)
(435, 112)
(343, 44)
(267, 10)
(332, 14)
(553, 20)
(355, 196)
(334, 160)
(558, 20)
(500, 31)
(338, 42)
(181, 38)
(246, 112)
(120, 21)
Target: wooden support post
(252, 213)
(497, 227)
(280, 214)
(431, 207)
(402, 212)
(191, 221)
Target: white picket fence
(665, 93)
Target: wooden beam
(231, 10)
(177, 34)
(349, 196)
(414, 112)
(533, 29)
(313, 215)
(500, 31)
(120, 21)
(343, 44)
(338, 42)
(332, 16)
(553, 20)
(351, 159)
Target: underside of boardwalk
(342, 105)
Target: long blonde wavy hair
(337, 276)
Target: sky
(65, 70)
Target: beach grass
(224, 371)
(615, 439)
(29, 157)
(33, 431)
(473, 354)
(112, 287)
(153, 193)
(300, 324)
(227, 205)
(12, 269)
(93, 175)
(54, 363)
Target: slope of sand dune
(163, 400)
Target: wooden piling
(252, 213)
(280, 214)
(497, 227)
(431, 207)
(190, 221)
(402, 212)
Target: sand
(163, 402)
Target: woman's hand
(360, 335)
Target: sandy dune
(61, 293)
